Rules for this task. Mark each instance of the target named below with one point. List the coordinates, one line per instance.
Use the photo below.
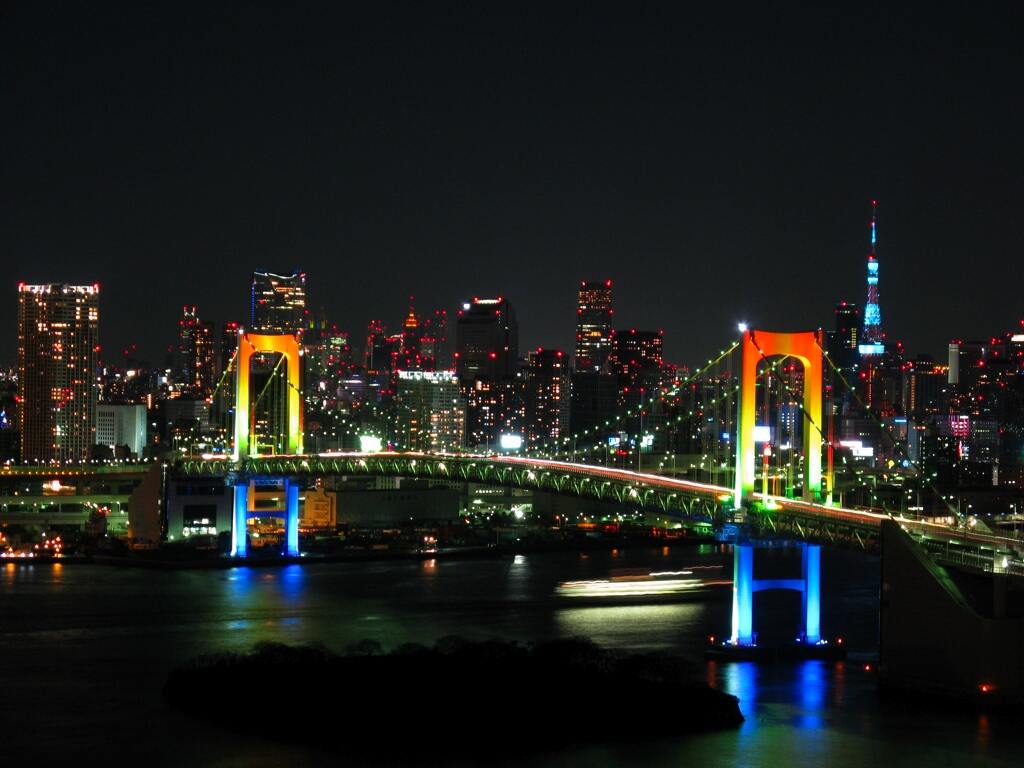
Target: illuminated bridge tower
(756, 347)
(287, 346)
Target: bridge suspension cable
(628, 414)
(897, 448)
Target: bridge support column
(291, 519)
(239, 519)
(744, 585)
(742, 594)
(812, 593)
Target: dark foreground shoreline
(457, 697)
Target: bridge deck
(690, 499)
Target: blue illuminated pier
(744, 585)
(243, 510)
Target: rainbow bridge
(740, 513)
(700, 507)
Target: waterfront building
(58, 345)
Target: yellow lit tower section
(757, 346)
(249, 344)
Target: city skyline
(423, 154)
(667, 355)
(160, 348)
(686, 351)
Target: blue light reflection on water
(800, 713)
(811, 685)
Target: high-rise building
(431, 415)
(847, 324)
(228, 345)
(487, 364)
(378, 358)
(637, 358)
(594, 316)
(486, 341)
(843, 340)
(58, 346)
(278, 302)
(595, 396)
(121, 425)
(966, 362)
(9, 436)
(924, 381)
(410, 354)
(195, 354)
(434, 341)
(223, 406)
(547, 396)
(873, 339)
(493, 409)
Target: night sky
(717, 164)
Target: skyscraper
(594, 315)
(431, 415)
(547, 396)
(195, 354)
(377, 359)
(278, 302)
(486, 361)
(410, 357)
(872, 340)
(228, 344)
(58, 345)
(923, 380)
(486, 340)
(595, 396)
(637, 357)
(842, 346)
(434, 341)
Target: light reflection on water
(630, 626)
(91, 620)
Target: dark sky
(717, 164)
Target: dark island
(455, 697)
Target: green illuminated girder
(694, 506)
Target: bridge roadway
(695, 504)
